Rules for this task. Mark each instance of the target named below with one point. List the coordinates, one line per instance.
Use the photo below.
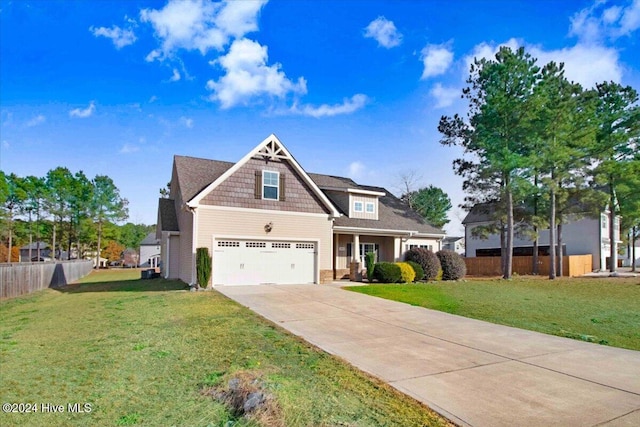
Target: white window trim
(277, 186)
(373, 208)
(355, 206)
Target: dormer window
(270, 185)
(357, 206)
(371, 208)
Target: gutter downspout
(194, 242)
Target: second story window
(270, 184)
(371, 208)
(357, 207)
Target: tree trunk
(30, 237)
(503, 247)
(53, 247)
(552, 235)
(10, 235)
(634, 230)
(535, 268)
(612, 229)
(509, 255)
(560, 253)
(38, 233)
(99, 243)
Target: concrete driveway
(473, 372)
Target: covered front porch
(350, 247)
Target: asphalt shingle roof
(150, 240)
(195, 174)
(167, 215)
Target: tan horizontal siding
(244, 223)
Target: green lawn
(605, 311)
(142, 352)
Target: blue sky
(352, 88)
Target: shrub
(387, 272)
(417, 269)
(426, 259)
(407, 272)
(370, 262)
(453, 266)
(203, 266)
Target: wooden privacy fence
(572, 265)
(25, 277)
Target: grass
(143, 352)
(605, 311)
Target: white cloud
(39, 119)
(597, 22)
(118, 36)
(129, 148)
(445, 96)
(176, 76)
(586, 64)
(355, 170)
(247, 76)
(87, 112)
(348, 106)
(436, 59)
(200, 24)
(384, 32)
(488, 51)
(153, 99)
(187, 122)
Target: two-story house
(582, 235)
(266, 220)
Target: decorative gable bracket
(271, 151)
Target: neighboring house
(130, 258)
(265, 219)
(104, 263)
(627, 254)
(455, 244)
(150, 251)
(583, 236)
(30, 252)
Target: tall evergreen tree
(618, 118)
(14, 197)
(107, 205)
(563, 157)
(498, 133)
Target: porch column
(336, 254)
(355, 272)
(397, 249)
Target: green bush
(407, 272)
(417, 269)
(453, 266)
(426, 259)
(370, 262)
(387, 272)
(203, 266)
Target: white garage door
(254, 262)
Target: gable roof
(270, 147)
(150, 240)
(197, 177)
(195, 174)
